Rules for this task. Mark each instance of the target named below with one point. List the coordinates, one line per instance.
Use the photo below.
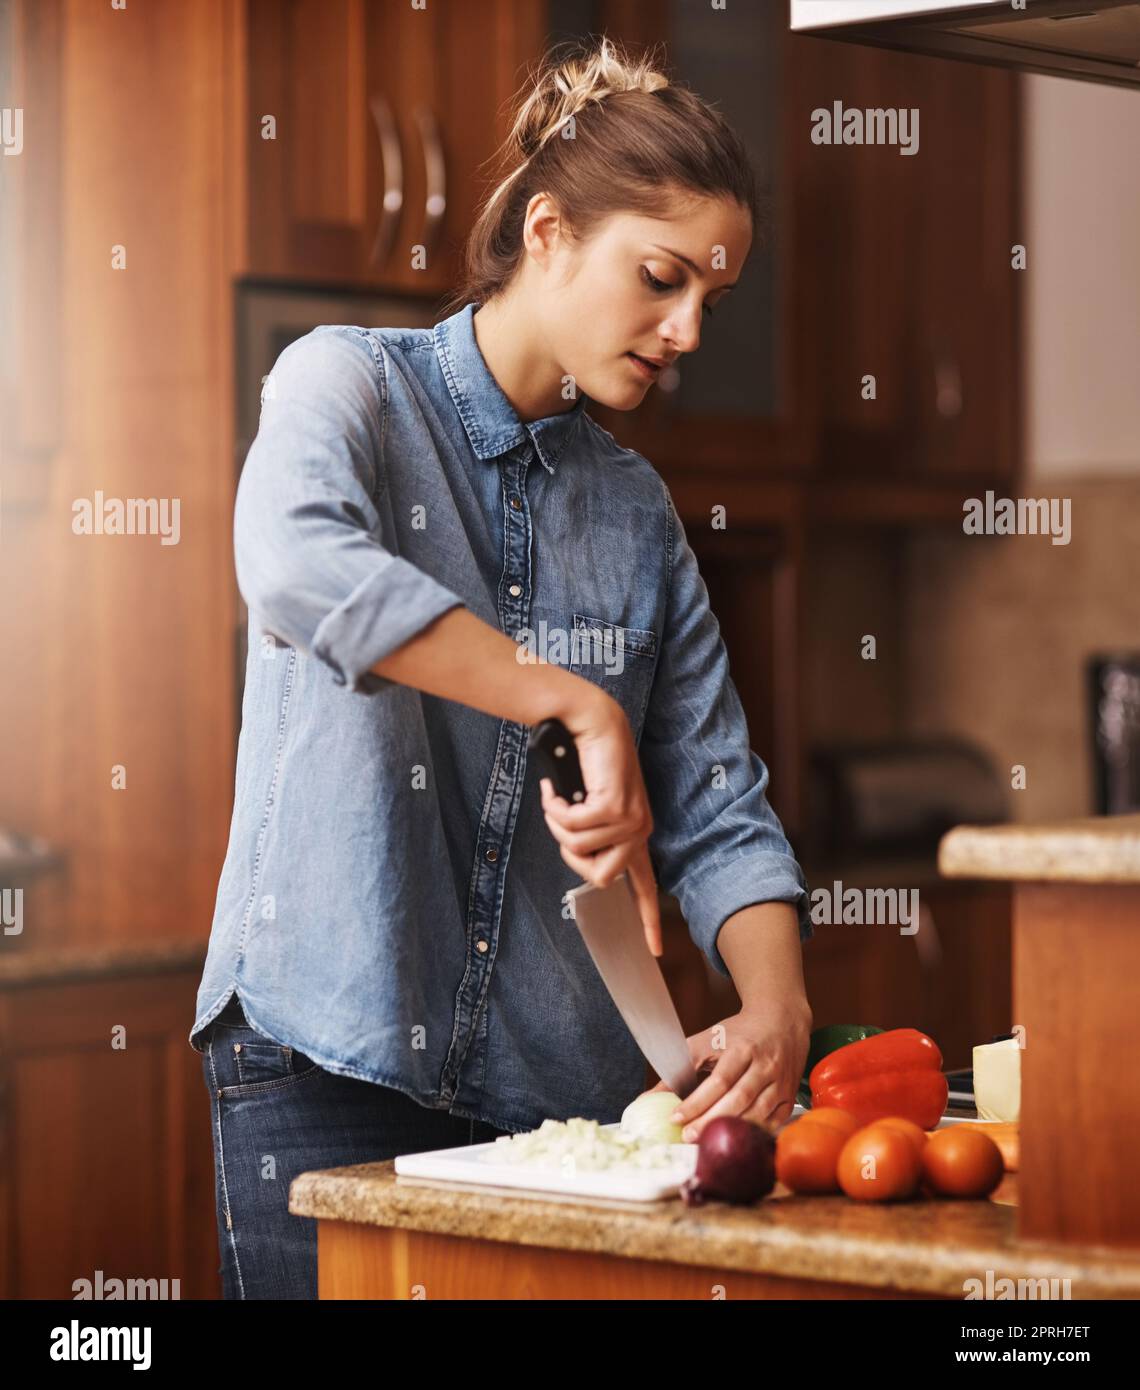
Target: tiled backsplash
(997, 630)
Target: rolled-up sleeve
(717, 845)
(308, 553)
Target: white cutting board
(472, 1167)
(475, 1165)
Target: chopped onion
(579, 1144)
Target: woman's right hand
(460, 657)
(609, 831)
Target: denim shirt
(391, 901)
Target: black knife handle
(551, 743)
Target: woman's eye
(660, 286)
(654, 284)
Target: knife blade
(610, 923)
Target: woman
(439, 548)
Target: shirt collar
(492, 425)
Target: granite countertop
(1099, 849)
(916, 1247)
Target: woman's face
(641, 285)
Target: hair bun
(566, 82)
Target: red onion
(736, 1162)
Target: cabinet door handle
(393, 160)
(435, 166)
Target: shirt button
(515, 590)
(481, 946)
(492, 856)
(516, 504)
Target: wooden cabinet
(911, 259)
(104, 1125)
(312, 148)
(752, 575)
(367, 122)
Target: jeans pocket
(256, 1063)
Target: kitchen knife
(611, 927)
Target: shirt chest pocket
(620, 660)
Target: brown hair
(630, 138)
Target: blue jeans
(275, 1114)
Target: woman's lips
(646, 368)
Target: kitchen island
(390, 1237)
(1076, 963)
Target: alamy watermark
(584, 646)
(131, 516)
(113, 1289)
(77, 1343)
(1022, 516)
(1000, 1287)
(836, 906)
(891, 125)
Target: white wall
(1083, 292)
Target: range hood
(1097, 40)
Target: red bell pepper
(894, 1073)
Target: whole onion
(647, 1117)
(736, 1162)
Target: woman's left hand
(759, 1055)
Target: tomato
(1005, 1136)
(909, 1128)
(807, 1155)
(879, 1164)
(962, 1163)
(842, 1120)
